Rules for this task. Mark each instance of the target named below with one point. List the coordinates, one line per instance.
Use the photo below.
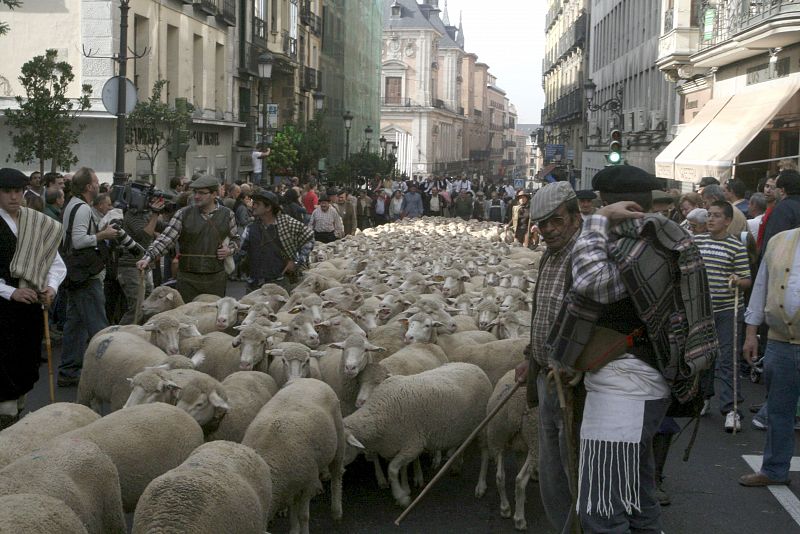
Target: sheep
(316, 283)
(366, 315)
(435, 307)
(305, 415)
(37, 514)
(76, 472)
(433, 410)
(509, 324)
(392, 303)
(390, 336)
(410, 360)
(143, 442)
(163, 331)
(40, 426)
(219, 354)
(110, 359)
(454, 282)
(221, 487)
(337, 328)
(346, 297)
(465, 323)
(495, 358)
(514, 300)
(272, 294)
(247, 392)
(161, 299)
(210, 316)
(451, 342)
(314, 304)
(341, 368)
(292, 361)
(198, 394)
(515, 427)
(258, 311)
(301, 330)
(253, 340)
(487, 311)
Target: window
(393, 90)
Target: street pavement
(706, 497)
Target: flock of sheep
(223, 413)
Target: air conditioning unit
(642, 120)
(655, 119)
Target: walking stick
(566, 415)
(460, 450)
(139, 298)
(49, 353)
(735, 354)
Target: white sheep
(272, 294)
(247, 392)
(253, 340)
(433, 410)
(496, 358)
(293, 360)
(41, 426)
(110, 360)
(163, 331)
(221, 487)
(299, 433)
(341, 365)
(76, 472)
(409, 360)
(451, 342)
(301, 330)
(337, 328)
(37, 514)
(143, 442)
(161, 299)
(515, 428)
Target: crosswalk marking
(783, 494)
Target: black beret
(323, 198)
(707, 180)
(585, 194)
(624, 179)
(12, 179)
(332, 192)
(269, 196)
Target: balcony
(397, 102)
(461, 111)
(259, 32)
(566, 109)
(310, 79)
(438, 103)
(573, 38)
(226, 12)
(552, 15)
(478, 155)
(289, 46)
(206, 6)
(509, 144)
(249, 59)
(477, 113)
(680, 39)
(316, 25)
(305, 12)
(509, 162)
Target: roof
(413, 19)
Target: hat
(662, 197)
(262, 194)
(624, 179)
(12, 179)
(697, 215)
(585, 194)
(332, 191)
(323, 198)
(707, 180)
(549, 198)
(523, 192)
(205, 182)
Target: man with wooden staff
(555, 210)
(638, 320)
(30, 272)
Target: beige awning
(665, 161)
(714, 150)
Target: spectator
(232, 192)
(86, 314)
(786, 214)
(705, 181)
(696, 221)
(713, 193)
(586, 198)
(520, 220)
(53, 181)
(436, 204)
(54, 203)
(495, 208)
(380, 207)
(396, 206)
(175, 185)
(726, 263)
(257, 157)
(756, 207)
(662, 203)
(787, 165)
(479, 206)
(687, 203)
(735, 192)
(310, 198)
(291, 205)
(34, 193)
(348, 213)
(412, 202)
(364, 210)
(462, 207)
(325, 222)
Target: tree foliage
(282, 160)
(10, 4)
(360, 167)
(295, 151)
(44, 128)
(311, 146)
(153, 125)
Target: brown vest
(200, 238)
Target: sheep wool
(247, 392)
(37, 514)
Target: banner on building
(551, 151)
(272, 116)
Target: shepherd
(638, 321)
(30, 272)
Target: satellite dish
(111, 95)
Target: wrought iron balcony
(260, 32)
(737, 16)
(226, 12)
(310, 80)
(396, 101)
(574, 37)
(567, 108)
(249, 59)
(289, 46)
(478, 155)
(206, 6)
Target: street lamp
(265, 62)
(613, 104)
(382, 141)
(348, 122)
(367, 133)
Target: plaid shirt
(596, 276)
(327, 221)
(173, 230)
(548, 295)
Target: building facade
(735, 66)
(639, 101)
(563, 75)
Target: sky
(508, 35)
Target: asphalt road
(705, 494)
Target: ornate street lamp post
(348, 122)
(367, 134)
(265, 63)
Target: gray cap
(205, 182)
(549, 198)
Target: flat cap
(624, 179)
(12, 179)
(585, 194)
(262, 194)
(707, 180)
(548, 199)
(205, 182)
(323, 198)
(662, 197)
(332, 191)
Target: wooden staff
(49, 353)
(460, 450)
(735, 354)
(566, 416)
(139, 298)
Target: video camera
(138, 196)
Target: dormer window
(397, 10)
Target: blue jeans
(86, 315)
(723, 372)
(782, 373)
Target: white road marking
(785, 496)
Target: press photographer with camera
(201, 231)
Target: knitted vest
(779, 260)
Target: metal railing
(226, 10)
(397, 101)
(565, 108)
(309, 79)
(574, 37)
(208, 6)
(249, 60)
(737, 16)
(289, 46)
(260, 32)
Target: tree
(312, 146)
(44, 125)
(282, 159)
(10, 4)
(153, 126)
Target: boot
(661, 443)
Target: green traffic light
(614, 158)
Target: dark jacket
(785, 216)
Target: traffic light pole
(120, 177)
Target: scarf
(38, 237)
(292, 235)
(664, 275)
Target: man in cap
(275, 243)
(347, 211)
(586, 198)
(30, 272)
(520, 217)
(662, 203)
(412, 202)
(636, 279)
(206, 234)
(325, 222)
(555, 209)
(705, 181)
(495, 208)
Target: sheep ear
(198, 358)
(220, 404)
(297, 309)
(162, 366)
(327, 322)
(274, 352)
(148, 327)
(317, 353)
(239, 327)
(374, 348)
(281, 298)
(338, 345)
(404, 322)
(328, 304)
(243, 307)
(185, 325)
(236, 341)
(168, 385)
(351, 439)
(170, 296)
(130, 381)
(437, 324)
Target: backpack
(82, 264)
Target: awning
(730, 124)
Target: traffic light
(614, 156)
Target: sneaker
(706, 407)
(755, 408)
(759, 423)
(733, 420)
